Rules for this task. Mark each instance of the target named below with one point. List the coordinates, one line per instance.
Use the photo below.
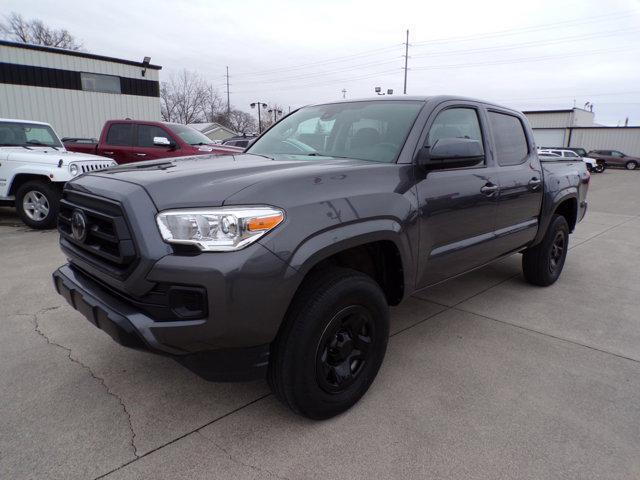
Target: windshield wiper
(14, 145)
(200, 143)
(258, 155)
(40, 144)
(318, 154)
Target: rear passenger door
(118, 142)
(520, 178)
(145, 149)
(457, 206)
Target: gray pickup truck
(283, 261)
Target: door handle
(108, 153)
(534, 183)
(141, 154)
(489, 189)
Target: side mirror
(451, 153)
(163, 142)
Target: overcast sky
(525, 54)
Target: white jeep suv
(34, 165)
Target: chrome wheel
(35, 205)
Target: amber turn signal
(264, 223)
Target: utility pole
(344, 93)
(406, 61)
(228, 102)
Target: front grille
(108, 244)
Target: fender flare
(569, 193)
(328, 242)
(51, 174)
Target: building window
(95, 82)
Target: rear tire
(542, 264)
(38, 203)
(331, 344)
(631, 165)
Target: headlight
(73, 169)
(218, 229)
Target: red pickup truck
(129, 141)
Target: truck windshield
(18, 134)
(373, 130)
(189, 135)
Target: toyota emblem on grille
(79, 225)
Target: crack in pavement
(77, 361)
(238, 461)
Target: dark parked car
(283, 261)
(242, 142)
(614, 158)
(127, 141)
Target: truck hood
(46, 155)
(207, 180)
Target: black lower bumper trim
(237, 364)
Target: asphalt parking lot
(485, 377)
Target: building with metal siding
(576, 128)
(76, 92)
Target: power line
(517, 31)
(316, 74)
(365, 53)
(521, 60)
(535, 43)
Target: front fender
(54, 174)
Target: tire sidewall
(304, 348)
(559, 224)
(52, 196)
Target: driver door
(457, 205)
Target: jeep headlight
(218, 229)
(73, 169)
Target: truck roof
(16, 120)
(419, 98)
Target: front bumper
(131, 328)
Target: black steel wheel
(344, 347)
(331, 343)
(543, 263)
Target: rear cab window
(510, 139)
(120, 134)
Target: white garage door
(549, 137)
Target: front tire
(38, 203)
(331, 344)
(600, 168)
(542, 264)
(631, 165)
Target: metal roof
(75, 53)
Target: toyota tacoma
(283, 261)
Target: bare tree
(238, 121)
(212, 107)
(184, 98)
(16, 28)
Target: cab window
(510, 139)
(120, 134)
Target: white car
(34, 165)
(592, 165)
